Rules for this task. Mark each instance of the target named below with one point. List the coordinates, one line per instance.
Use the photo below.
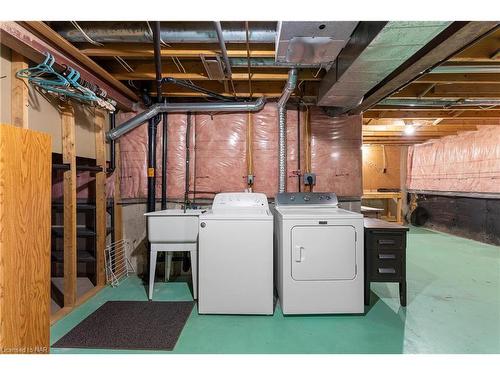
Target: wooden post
(399, 208)
(69, 187)
(100, 194)
(19, 87)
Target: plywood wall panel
(374, 176)
(25, 210)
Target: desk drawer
(387, 241)
(386, 270)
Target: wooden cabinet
(385, 255)
(25, 209)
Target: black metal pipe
(188, 136)
(112, 160)
(196, 88)
(152, 126)
(164, 161)
(157, 54)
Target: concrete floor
(453, 307)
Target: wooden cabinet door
(25, 194)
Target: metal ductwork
(171, 32)
(376, 50)
(311, 43)
(158, 108)
(494, 69)
(222, 44)
(287, 91)
(440, 103)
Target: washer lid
(224, 202)
(175, 212)
(243, 214)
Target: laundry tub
(173, 226)
(169, 231)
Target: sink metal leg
(152, 269)
(194, 272)
(168, 264)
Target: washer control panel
(239, 201)
(297, 199)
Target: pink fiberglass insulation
(265, 150)
(220, 153)
(134, 158)
(468, 162)
(176, 155)
(336, 153)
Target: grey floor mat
(136, 325)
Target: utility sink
(173, 226)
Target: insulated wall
(336, 153)
(265, 150)
(468, 162)
(220, 153)
(220, 145)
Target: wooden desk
(385, 255)
(367, 211)
(396, 196)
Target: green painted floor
(453, 307)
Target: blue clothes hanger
(43, 73)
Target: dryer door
(324, 252)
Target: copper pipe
(249, 145)
(248, 59)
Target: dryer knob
(203, 224)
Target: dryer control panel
(300, 199)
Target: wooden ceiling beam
(444, 114)
(269, 89)
(401, 142)
(417, 133)
(202, 76)
(467, 78)
(428, 122)
(482, 51)
(177, 50)
(449, 91)
(430, 109)
(422, 128)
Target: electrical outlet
(310, 179)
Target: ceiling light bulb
(409, 129)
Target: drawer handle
(386, 256)
(386, 270)
(386, 242)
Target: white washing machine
(319, 255)
(235, 256)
